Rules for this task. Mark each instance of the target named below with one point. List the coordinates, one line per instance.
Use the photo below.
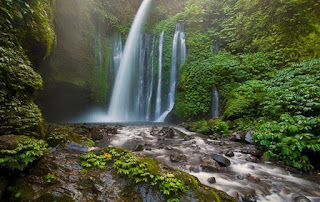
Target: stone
(195, 169)
(229, 153)
(209, 165)
(138, 148)
(168, 148)
(223, 161)
(251, 150)
(301, 199)
(211, 180)
(253, 178)
(178, 158)
(168, 132)
(251, 158)
(249, 198)
(248, 137)
(97, 136)
(148, 149)
(187, 138)
(240, 177)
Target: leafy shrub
(291, 139)
(209, 127)
(25, 151)
(244, 100)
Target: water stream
(244, 179)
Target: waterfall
(121, 99)
(179, 38)
(115, 58)
(215, 103)
(159, 87)
(150, 72)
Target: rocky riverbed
(231, 166)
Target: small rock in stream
(138, 148)
(301, 199)
(251, 158)
(223, 161)
(187, 138)
(209, 165)
(194, 169)
(178, 158)
(212, 180)
(240, 177)
(253, 178)
(230, 154)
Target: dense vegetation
(262, 56)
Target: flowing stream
(246, 179)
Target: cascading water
(159, 87)
(120, 109)
(116, 57)
(178, 46)
(215, 103)
(150, 81)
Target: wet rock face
(209, 165)
(3, 185)
(223, 161)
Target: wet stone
(251, 158)
(240, 177)
(230, 154)
(138, 148)
(178, 158)
(301, 199)
(97, 136)
(253, 178)
(212, 180)
(195, 169)
(223, 161)
(209, 165)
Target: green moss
(172, 183)
(57, 134)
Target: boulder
(178, 158)
(248, 137)
(209, 165)
(97, 136)
(223, 161)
